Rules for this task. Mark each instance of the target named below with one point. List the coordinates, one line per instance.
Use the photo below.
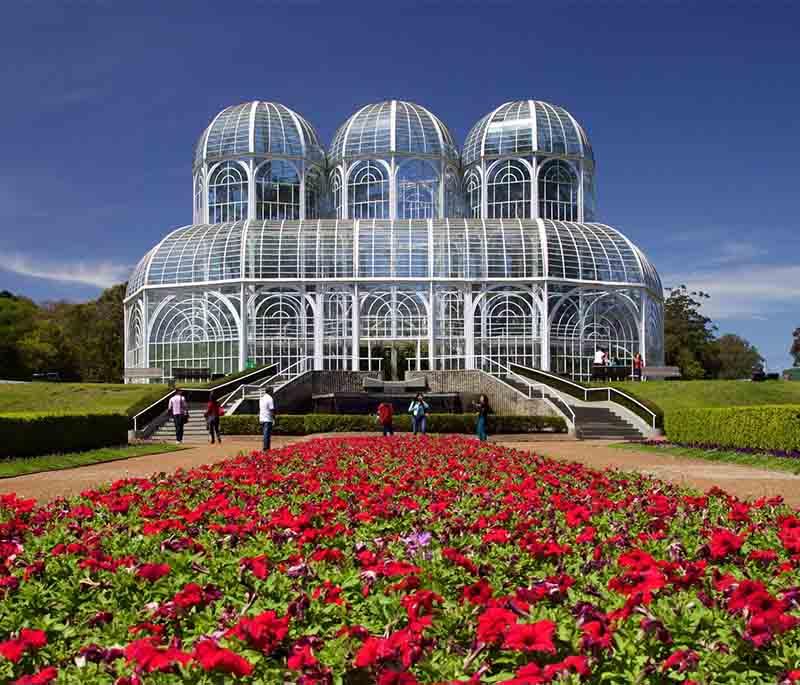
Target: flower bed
(398, 561)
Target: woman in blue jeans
(483, 417)
(417, 410)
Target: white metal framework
(487, 259)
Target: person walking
(418, 409)
(213, 412)
(179, 411)
(266, 415)
(385, 416)
(482, 406)
(637, 367)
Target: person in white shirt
(266, 415)
(179, 411)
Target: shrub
(775, 427)
(306, 424)
(29, 434)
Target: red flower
(258, 566)
(28, 640)
(477, 593)
(723, 543)
(638, 582)
(531, 637)
(150, 658)
(44, 677)
(397, 678)
(572, 664)
(493, 624)
(681, 659)
(212, 657)
(152, 572)
(263, 632)
(301, 658)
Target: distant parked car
(48, 377)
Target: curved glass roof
(389, 127)
(258, 128)
(523, 127)
(461, 249)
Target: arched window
(277, 191)
(227, 193)
(417, 191)
(313, 180)
(198, 199)
(368, 191)
(509, 188)
(558, 192)
(472, 190)
(452, 196)
(336, 191)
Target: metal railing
(544, 391)
(278, 380)
(582, 392)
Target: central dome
(393, 126)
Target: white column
(243, 327)
(469, 330)
(356, 322)
(431, 336)
(643, 329)
(146, 329)
(319, 322)
(251, 191)
(545, 359)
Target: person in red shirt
(213, 412)
(385, 414)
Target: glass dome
(324, 249)
(256, 129)
(523, 127)
(389, 127)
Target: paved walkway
(742, 481)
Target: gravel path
(742, 481)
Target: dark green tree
(18, 317)
(794, 350)
(737, 357)
(688, 334)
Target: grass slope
(670, 395)
(78, 397)
(55, 462)
(760, 461)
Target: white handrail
(608, 389)
(508, 372)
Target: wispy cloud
(98, 274)
(737, 251)
(743, 291)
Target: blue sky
(692, 112)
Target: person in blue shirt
(418, 409)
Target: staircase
(600, 423)
(591, 422)
(193, 431)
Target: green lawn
(20, 466)
(669, 395)
(78, 397)
(762, 461)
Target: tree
(688, 334)
(737, 357)
(17, 319)
(795, 348)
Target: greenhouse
(393, 241)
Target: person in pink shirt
(179, 411)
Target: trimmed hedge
(772, 427)
(306, 424)
(30, 434)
